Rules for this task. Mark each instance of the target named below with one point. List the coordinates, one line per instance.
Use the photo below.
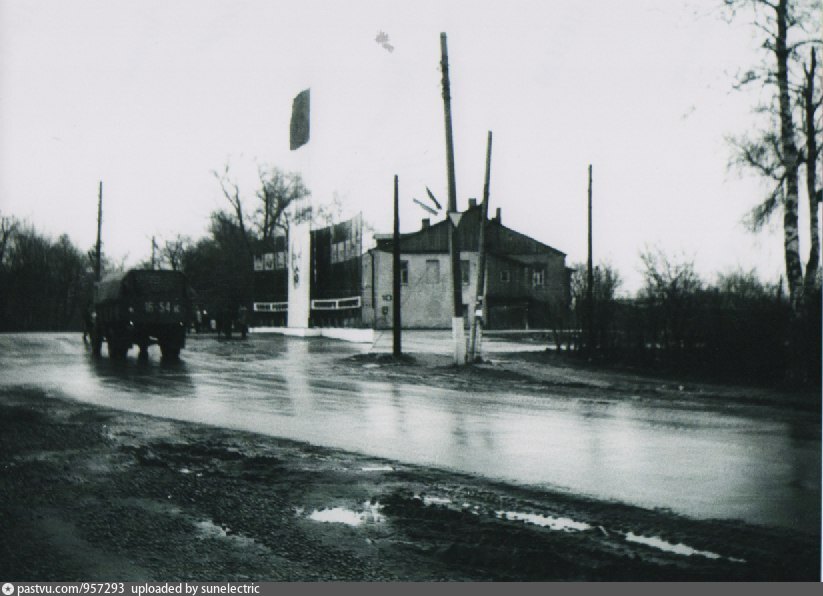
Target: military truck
(141, 307)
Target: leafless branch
(232, 193)
(760, 215)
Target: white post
(299, 274)
(459, 338)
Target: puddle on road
(153, 506)
(678, 549)
(341, 515)
(434, 500)
(208, 529)
(564, 524)
(211, 530)
(377, 469)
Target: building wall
(515, 286)
(555, 288)
(367, 293)
(426, 303)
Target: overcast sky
(151, 96)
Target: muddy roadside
(546, 373)
(89, 493)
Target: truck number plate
(161, 307)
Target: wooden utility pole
(396, 326)
(454, 248)
(97, 270)
(480, 300)
(590, 277)
(153, 247)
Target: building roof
(433, 238)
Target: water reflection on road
(698, 462)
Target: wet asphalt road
(700, 462)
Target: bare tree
(329, 214)
(8, 227)
(280, 194)
(670, 288)
(279, 204)
(597, 324)
(744, 286)
(173, 251)
(774, 152)
(231, 191)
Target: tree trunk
(811, 179)
(794, 268)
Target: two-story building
(527, 282)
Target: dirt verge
(545, 373)
(88, 493)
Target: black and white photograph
(393, 291)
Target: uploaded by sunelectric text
(193, 590)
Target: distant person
(224, 323)
(242, 321)
(88, 324)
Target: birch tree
(774, 152)
(811, 102)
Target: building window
(432, 272)
(465, 268)
(270, 261)
(538, 278)
(505, 276)
(404, 273)
(343, 251)
(280, 259)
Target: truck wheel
(118, 349)
(96, 342)
(170, 352)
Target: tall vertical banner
(299, 250)
(300, 118)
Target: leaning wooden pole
(480, 293)
(454, 248)
(397, 348)
(590, 278)
(97, 269)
